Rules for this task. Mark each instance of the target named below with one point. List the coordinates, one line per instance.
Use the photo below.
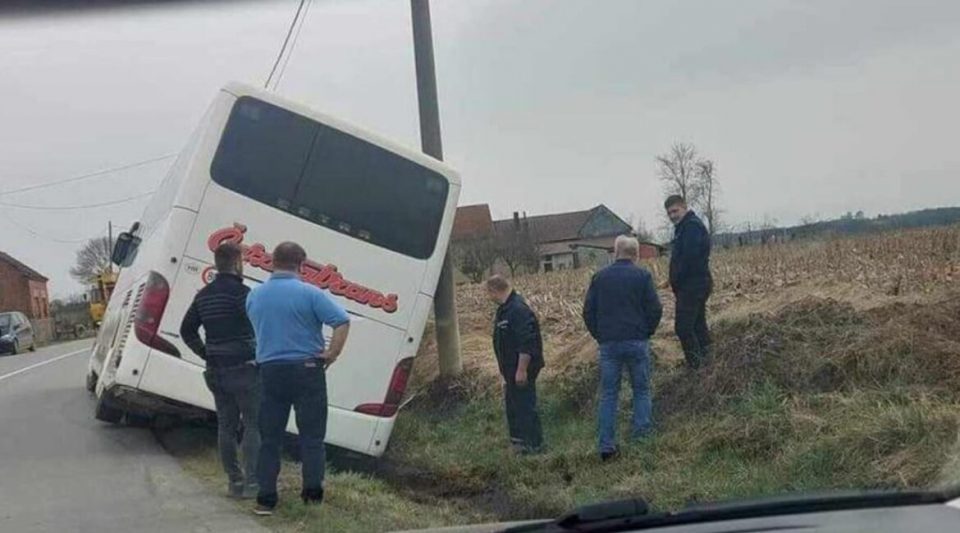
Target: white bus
(374, 217)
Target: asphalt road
(63, 471)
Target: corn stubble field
(836, 365)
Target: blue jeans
(302, 386)
(614, 356)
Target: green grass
(765, 442)
(454, 466)
(354, 502)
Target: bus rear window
(330, 178)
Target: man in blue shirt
(622, 311)
(288, 316)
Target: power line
(37, 234)
(88, 175)
(286, 41)
(73, 207)
(293, 45)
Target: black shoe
(531, 450)
(312, 496)
(609, 456)
(235, 490)
(266, 503)
(263, 510)
(250, 492)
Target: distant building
(472, 222)
(22, 289)
(562, 240)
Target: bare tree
(709, 189)
(93, 258)
(768, 229)
(519, 250)
(677, 169)
(476, 257)
(641, 230)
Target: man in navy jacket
(690, 279)
(622, 311)
(518, 346)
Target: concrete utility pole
(110, 243)
(444, 303)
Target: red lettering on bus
(222, 236)
(326, 277)
(391, 303)
(354, 291)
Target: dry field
(913, 266)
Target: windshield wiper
(625, 511)
(635, 514)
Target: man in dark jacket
(231, 375)
(622, 311)
(519, 349)
(690, 279)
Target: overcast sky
(807, 107)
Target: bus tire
(91, 382)
(139, 421)
(107, 413)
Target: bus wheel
(139, 421)
(91, 382)
(107, 413)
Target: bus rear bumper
(356, 432)
(136, 401)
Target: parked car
(16, 333)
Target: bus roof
(241, 89)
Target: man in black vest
(519, 349)
(690, 280)
(231, 375)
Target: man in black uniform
(519, 349)
(231, 375)
(690, 280)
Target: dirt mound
(822, 345)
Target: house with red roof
(562, 240)
(22, 289)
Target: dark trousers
(303, 387)
(691, 325)
(523, 421)
(236, 392)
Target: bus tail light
(148, 314)
(398, 386)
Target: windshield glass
(5, 321)
(331, 178)
(678, 251)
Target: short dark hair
(498, 283)
(674, 199)
(288, 256)
(226, 255)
